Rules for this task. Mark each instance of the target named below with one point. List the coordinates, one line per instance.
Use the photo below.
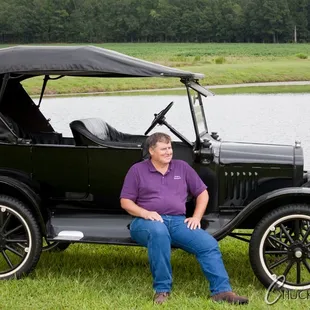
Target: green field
(114, 277)
(221, 63)
(188, 54)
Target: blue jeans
(159, 237)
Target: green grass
(263, 90)
(115, 277)
(239, 63)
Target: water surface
(279, 118)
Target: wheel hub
(297, 251)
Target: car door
(61, 170)
(107, 170)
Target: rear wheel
(20, 239)
(280, 248)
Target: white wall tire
(280, 245)
(20, 239)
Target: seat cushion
(95, 126)
(95, 131)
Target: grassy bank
(221, 63)
(114, 277)
(263, 90)
(215, 75)
(218, 91)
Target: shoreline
(227, 86)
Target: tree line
(39, 21)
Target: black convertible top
(81, 61)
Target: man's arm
(134, 210)
(200, 208)
(201, 204)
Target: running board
(90, 227)
(107, 228)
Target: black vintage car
(56, 190)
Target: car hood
(256, 153)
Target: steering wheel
(159, 117)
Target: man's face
(162, 152)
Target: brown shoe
(160, 298)
(230, 297)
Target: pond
(281, 118)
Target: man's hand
(133, 209)
(193, 222)
(151, 215)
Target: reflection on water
(256, 118)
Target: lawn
(115, 277)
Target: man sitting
(155, 192)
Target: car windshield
(200, 117)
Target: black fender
(21, 176)
(288, 192)
(29, 195)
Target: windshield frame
(197, 111)
(200, 114)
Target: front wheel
(20, 239)
(280, 248)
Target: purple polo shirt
(165, 194)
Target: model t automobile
(56, 190)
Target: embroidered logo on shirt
(177, 177)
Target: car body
(66, 189)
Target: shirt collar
(153, 169)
